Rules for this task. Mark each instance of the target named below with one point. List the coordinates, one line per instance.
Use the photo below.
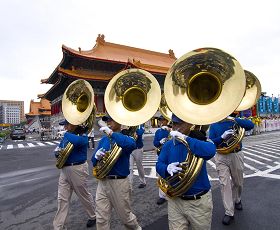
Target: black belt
(115, 177)
(75, 163)
(193, 197)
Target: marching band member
(74, 177)
(194, 207)
(161, 136)
(114, 190)
(229, 165)
(137, 157)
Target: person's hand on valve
(106, 130)
(57, 151)
(165, 128)
(177, 134)
(227, 133)
(163, 140)
(99, 154)
(172, 168)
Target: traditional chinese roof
(43, 107)
(102, 62)
(141, 58)
(105, 52)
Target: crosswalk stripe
(265, 154)
(251, 167)
(252, 154)
(251, 159)
(30, 145)
(20, 145)
(212, 164)
(273, 152)
(50, 143)
(10, 146)
(40, 143)
(57, 142)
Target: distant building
(98, 66)
(11, 112)
(39, 114)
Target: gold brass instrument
(164, 109)
(131, 98)
(78, 109)
(179, 183)
(252, 93)
(166, 113)
(232, 143)
(202, 87)
(250, 98)
(63, 155)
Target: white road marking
(250, 159)
(10, 146)
(251, 167)
(23, 181)
(212, 164)
(20, 145)
(252, 154)
(50, 143)
(265, 154)
(40, 143)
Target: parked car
(17, 134)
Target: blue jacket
(177, 152)
(139, 140)
(217, 129)
(127, 143)
(159, 134)
(79, 152)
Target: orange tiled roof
(141, 58)
(43, 107)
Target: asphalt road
(28, 188)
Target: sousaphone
(202, 87)
(131, 98)
(78, 109)
(250, 98)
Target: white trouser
(230, 168)
(196, 214)
(114, 193)
(137, 157)
(73, 178)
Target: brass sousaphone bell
(250, 98)
(78, 109)
(202, 87)
(131, 98)
(164, 109)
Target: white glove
(227, 133)
(163, 140)
(172, 168)
(57, 151)
(106, 130)
(177, 134)
(165, 127)
(99, 154)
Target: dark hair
(80, 130)
(198, 134)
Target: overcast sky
(33, 31)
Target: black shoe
(227, 219)
(160, 201)
(142, 186)
(91, 223)
(238, 206)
